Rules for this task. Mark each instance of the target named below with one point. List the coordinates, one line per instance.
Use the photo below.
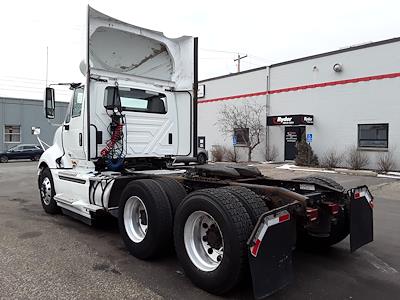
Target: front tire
(3, 159)
(210, 233)
(47, 192)
(145, 218)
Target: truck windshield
(138, 100)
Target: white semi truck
(136, 112)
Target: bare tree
(245, 121)
(332, 159)
(386, 161)
(231, 154)
(356, 158)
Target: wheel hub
(213, 237)
(135, 219)
(203, 241)
(45, 190)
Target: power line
(221, 51)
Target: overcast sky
(267, 31)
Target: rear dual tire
(211, 229)
(146, 213)
(254, 205)
(145, 218)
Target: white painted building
(344, 98)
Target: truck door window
(138, 100)
(77, 102)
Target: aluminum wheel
(135, 219)
(46, 191)
(203, 240)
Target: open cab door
(124, 55)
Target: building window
(241, 136)
(373, 135)
(12, 133)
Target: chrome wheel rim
(136, 219)
(203, 241)
(45, 191)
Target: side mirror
(49, 103)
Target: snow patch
(296, 168)
(388, 176)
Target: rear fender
(270, 251)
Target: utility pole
(238, 61)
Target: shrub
(271, 154)
(218, 152)
(331, 159)
(357, 159)
(305, 155)
(386, 161)
(231, 154)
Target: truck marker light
(284, 218)
(312, 214)
(334, 208)
(268, 222)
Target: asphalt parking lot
(44, 256)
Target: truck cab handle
(66, 126)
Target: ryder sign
(290, 120)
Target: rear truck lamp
(333, 207)
(270, 221)
(312, 214)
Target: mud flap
(270, 252)
(361, 217)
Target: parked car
(23, 151)
(202, 157)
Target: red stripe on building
(304, 87)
